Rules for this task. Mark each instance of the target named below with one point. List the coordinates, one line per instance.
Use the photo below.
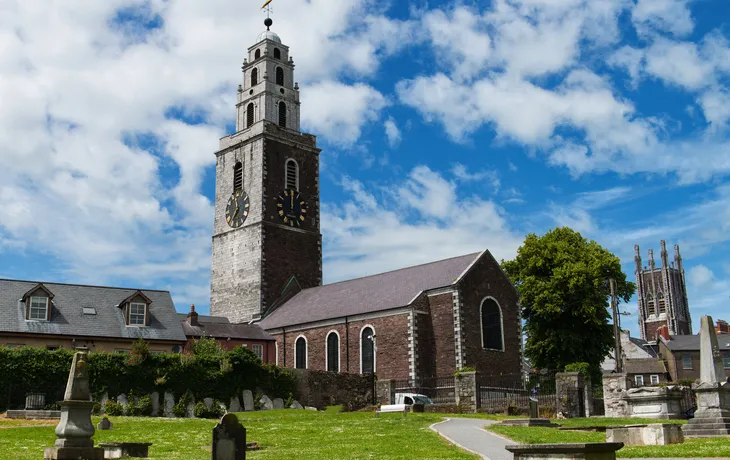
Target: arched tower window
(238, 177)
(650, 305)
(292, 174)
(300, 353)
(333, 352)
(282, 114)
(254, 76)
(280, 76)
(662, 302)
(491, 315)
(249, 115)
(277, 53)
(367, 350)
(257, 54)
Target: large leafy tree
(562, 279)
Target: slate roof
(220, 328)
(379, 292)
(692, 342)
(67, 317)
(644, 366)
(644, 345)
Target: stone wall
(569, 393)
(467, 391)
(320, 389)
(614, 395)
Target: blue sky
(446, 128)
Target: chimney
(192, 317)
(664, 332)
(722, 327)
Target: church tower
(266, 226)
(662, 295)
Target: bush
(202, 411)
(112, 407)
(141, 408)
(180, 408)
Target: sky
(445, 128)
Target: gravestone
(229, 439)
(235, 405)
(105, 424)
(296, 405)
(278, 403)
(712, 417)
(104, 399)
(266, 403)
(169, 404)
(208, 402)
(122, 399)
(533, 408)
(155, 396)
(190, 409)
(248, 401)
(75, 429)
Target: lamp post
(372, 370)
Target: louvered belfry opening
(280, 76)
(277, 53)
(291, 174)
(238, 177)
(254, 76)
(249, 115)
(282, 114)
(257, 54)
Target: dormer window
(38, 308)
(136, 309)
(137, 314)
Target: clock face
(291, 207)
(237, 208)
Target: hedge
(211, 372)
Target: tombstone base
(34, 414)
(73, 453)
(712, 417)
(543, 422)
(125, 449)
(583, 451)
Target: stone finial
(711, 365)
(637, 258)
(651, 259)
(664, 256)
(77, 386)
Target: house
(228, 335)
(682, 354)
(646, 371)
(632, 348)
(94, 318)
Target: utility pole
(616, 328)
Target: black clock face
(291, 207)
(237, 208)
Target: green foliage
(562, 281)
(289, 401)
(140, 352)
(112, 407)
(206, 346)
(143, 407)
(582, 368)
(180, 408)
(201, 410)
(686, 382)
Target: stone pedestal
(586, 451)
(655, 402)
(385, 391)
(467, 392)
(712, 417)
(125, 449)
(568, 391)
(614, 395)
(655, 434)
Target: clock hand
(235, 212)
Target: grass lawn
(709, 447)
(281, 433)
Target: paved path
(468, 433)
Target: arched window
(277, 53)
(254, 76)
(491, 315)
(333, 352)
(280, 76)
(282, 114)
(292, 174)
(238, 177)
(300, 353)
(367, 350)
(249, 115)
(257, 54)
(650, 305)
(662, 302)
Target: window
(88, 310)
(137, 314)
(650, 305)
(282, 114)
(655, 380)
(726, 361)
(662, 303)
(292, 174)
(38, 308)
(686, 361)
(257, 54)
(491, 316)
(249, 115)
(300, 353)
(254, 76)
(280, 76)
(333, 352)
(367, 350)
(277, 53)
(258, 350)
(238, 177)
(639, 379)
(407, 400)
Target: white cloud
(716, 107)
(678, 63)
(700, 276)
(487, 176)
(392, 132)
(665, 15)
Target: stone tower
(662, 295)
(266, 224)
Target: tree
(562, 281)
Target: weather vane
(266, 7)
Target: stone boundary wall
(320, 389)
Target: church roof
(379, 292)
(88, 311)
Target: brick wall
(442, 318)
(391, 339)
(425, 363)
(487, 279)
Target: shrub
(112, 407)
(180, 408)
(202, 411)
(142, 408)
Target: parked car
(412, 398)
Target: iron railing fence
(688, 402)
(499, 393)
(440, 390)
(18, 398)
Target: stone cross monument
(712, 417)
(75, 429)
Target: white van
(412, 398)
